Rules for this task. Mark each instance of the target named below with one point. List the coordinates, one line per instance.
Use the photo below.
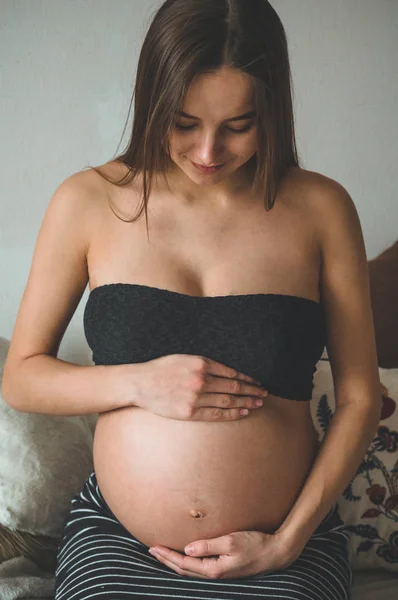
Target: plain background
(67, 71)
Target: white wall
(67, 69)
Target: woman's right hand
(196, 388)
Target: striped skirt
(99, 558)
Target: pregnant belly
(172, 482)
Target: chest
(207, 251)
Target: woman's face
(213, 134)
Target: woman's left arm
(352, 354)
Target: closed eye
(189, 127)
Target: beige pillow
(44, 462)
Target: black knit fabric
(275, 338)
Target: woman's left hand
(236, 555)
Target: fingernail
(189, 549)
(152, 551)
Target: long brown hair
(191, 37)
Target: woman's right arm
(34, 379)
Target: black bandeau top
(275, 338)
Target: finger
(220, 414)
(233, 388)
(182, 572)
(221, 370)
(226, 401)
(185, 564)
(210, 547)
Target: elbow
(8, 391)
(375, 411)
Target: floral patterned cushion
(369, 504)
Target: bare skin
(171, 482)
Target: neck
(230, 191)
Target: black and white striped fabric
(99, 558)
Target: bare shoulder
(317, 189)
(91, 182)
(114, 172)
(116, 186)
(329, 206)
(83, 197)
(98, 186)
(324, 194)
(87, 187)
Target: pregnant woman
(221, 299)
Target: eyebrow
(248, 115)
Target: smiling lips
(204, 169)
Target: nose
(209, 151)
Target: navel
(197, 514)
